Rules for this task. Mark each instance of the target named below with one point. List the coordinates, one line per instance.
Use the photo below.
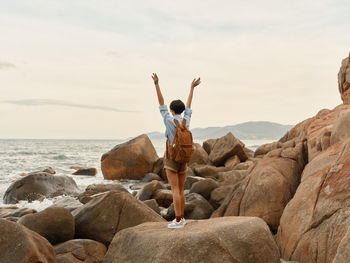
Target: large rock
(20, 244)
(40, 185)
(14, 211)
(149, 189)
(208, 145)
(86, 171)
(229, 239)
(204, 187)
(341, 128)
(68, 202)
(80, 251)
(94, 189)
(316, 131)
(344, 80)
(264, 192)
(200, 156)
(196, 207)
(109, 213)
(225, 147)
(130, 160)
(56, 224)
(316, 220)
(209, 171)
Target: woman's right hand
(195, 82)
(155, 78)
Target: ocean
(27, 155)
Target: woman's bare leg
(182, 178)
(174, 183)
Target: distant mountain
(252, 130)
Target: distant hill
(252, 130)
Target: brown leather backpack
(181, 149)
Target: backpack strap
(178, 124)
(183, 123)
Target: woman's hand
(195, 82)
(155, 78)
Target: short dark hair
(177, 106)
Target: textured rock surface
(109, 213)
(94, 189)
(130, 160)
(80, 251)
(264, 192)
(316, 220)
(344, 80)
(316, 131)
(225, 147)
(200, 156)
(40, 185)
(225, 239)
(56, 224)
(20, 244)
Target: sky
(81, 69)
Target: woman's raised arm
(194, 83)
(159, 93)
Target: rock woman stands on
(175, 171)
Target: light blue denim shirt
(169, 121)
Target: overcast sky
(82, 68)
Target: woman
(176, 172)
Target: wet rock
(40, 185)
(94, 189)
(86, 171)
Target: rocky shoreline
(287, 201)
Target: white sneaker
(175, 224)
(183, 221)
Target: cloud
(43, 102)
(6, 65)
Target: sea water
(19, 156)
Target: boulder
(204, 187)
(94, 189)
(196, 207)
(199, 156)
(20, 244)
(344, 80)
(150, 177)
(67, 202)
(264, 192)
(164, 197)
(341, 128)
(209, 171)
(208, 145)
(232, 161)
(316, 132)
(231, 177)
(14, 211)
(101, 218)
(158, 168)
(130, 160)
(152, 203)
(38, 186)
(80, 251)
(86, 171)
(225, 147)
(148, 190)
(218, 195)
(244, 166)
(228, 239)
(317, 219)
(190, 180)
(56, 224)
